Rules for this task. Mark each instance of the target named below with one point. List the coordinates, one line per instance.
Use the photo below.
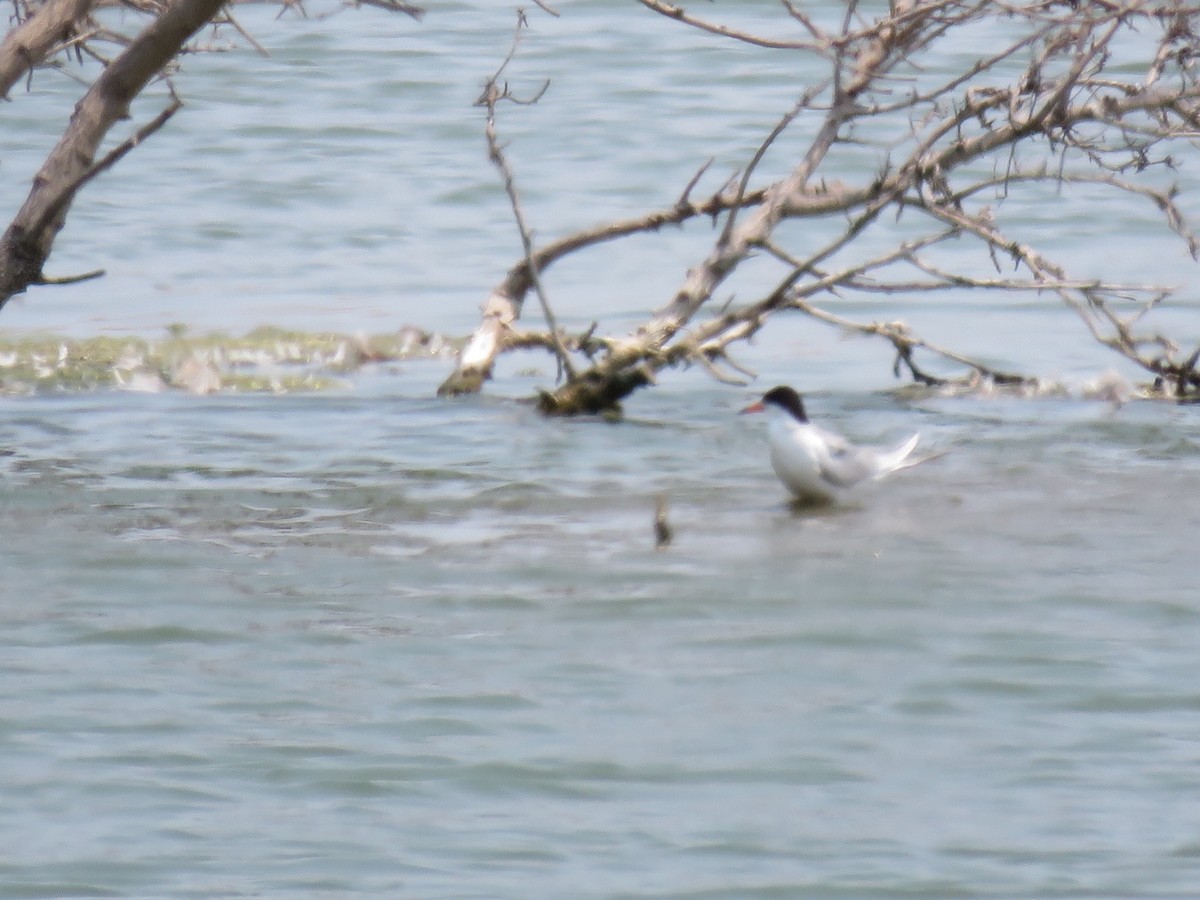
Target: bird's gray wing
(844, 465)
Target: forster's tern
(817, 465)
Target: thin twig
(65, 194)
(247, 36)
(680, 14)
(780, 126)
(69, 279)
(683, 201)
(491, 96)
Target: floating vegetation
(1109, 386)
(271, 360)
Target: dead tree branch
(43, 33)
(26, 243)
(681, 15)
(60, 26)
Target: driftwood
(1074, 94)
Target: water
(377, 643)
(364, 641)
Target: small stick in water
(662, 528)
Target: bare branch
(67, 192)
(52, 27)
(547, 8)
(898, 334)
(687, 191)
(72, 279)
(1069, 95)
(775, 132)
(680, 14)
(491, 96)
(227, 16)
(46, 31)
(408, 9)
(26, 243)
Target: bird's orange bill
(754, 407)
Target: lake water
(368, 642)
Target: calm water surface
(366, 642)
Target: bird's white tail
(891, 460)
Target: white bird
(818, 466)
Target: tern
(816, 465)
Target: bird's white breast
(796, 453)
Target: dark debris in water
(270, 360)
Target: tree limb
(52, 25)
